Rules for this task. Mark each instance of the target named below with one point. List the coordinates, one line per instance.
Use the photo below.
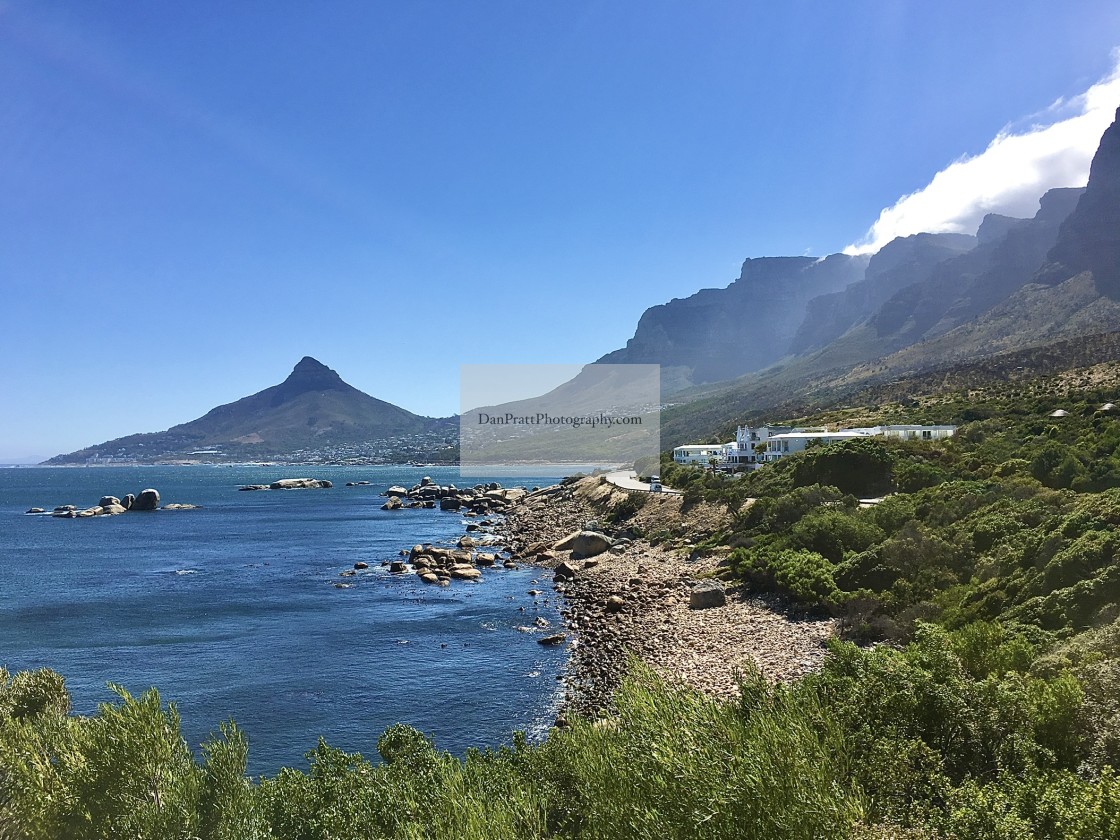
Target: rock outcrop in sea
(145, 500)
(478, 500)
(291, 484)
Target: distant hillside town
(754, 447)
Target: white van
(655, 484)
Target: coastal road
(628, 480)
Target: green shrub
(626, 508)
(910, 477)
(676, 764)
(805, 575)
(861, 466)
(834, 532)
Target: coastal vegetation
(972, 693)
(947, 736)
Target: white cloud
(1009, 176)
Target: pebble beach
(633, 601)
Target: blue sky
(193, 196)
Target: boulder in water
(147, 500)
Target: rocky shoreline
(637, 600)
(625, 597)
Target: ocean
(232, 611)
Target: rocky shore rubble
(440, 565)
(480, 548)
(478, 500)
(655, 604)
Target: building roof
(915, 427)
(831, 435)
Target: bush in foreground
(943, 738)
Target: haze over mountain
(312, 410)
(1022, 301)
(920, 301)
(717, 334)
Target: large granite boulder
(707, 594)
(463, 572)
(511, 495)
(300, 484)
(147, 500)
(106, 501)
(584, 543)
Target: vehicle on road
(655, 484)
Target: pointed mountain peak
(309, 365)
(312, 375)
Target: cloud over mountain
(1007, 177)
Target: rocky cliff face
(958, 290)
(1055, 278)
(900, 263)
(1089, 240)
(819, 316)
(721, 333)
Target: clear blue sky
(195, 195)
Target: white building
(755, 446)
(748, 452)
(779, 445)
(910, 432)
(701, 454)
(797, 440)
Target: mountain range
(788, 327)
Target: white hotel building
(702, 454)
(755, 446)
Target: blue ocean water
(231, 611)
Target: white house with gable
(748, 452)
